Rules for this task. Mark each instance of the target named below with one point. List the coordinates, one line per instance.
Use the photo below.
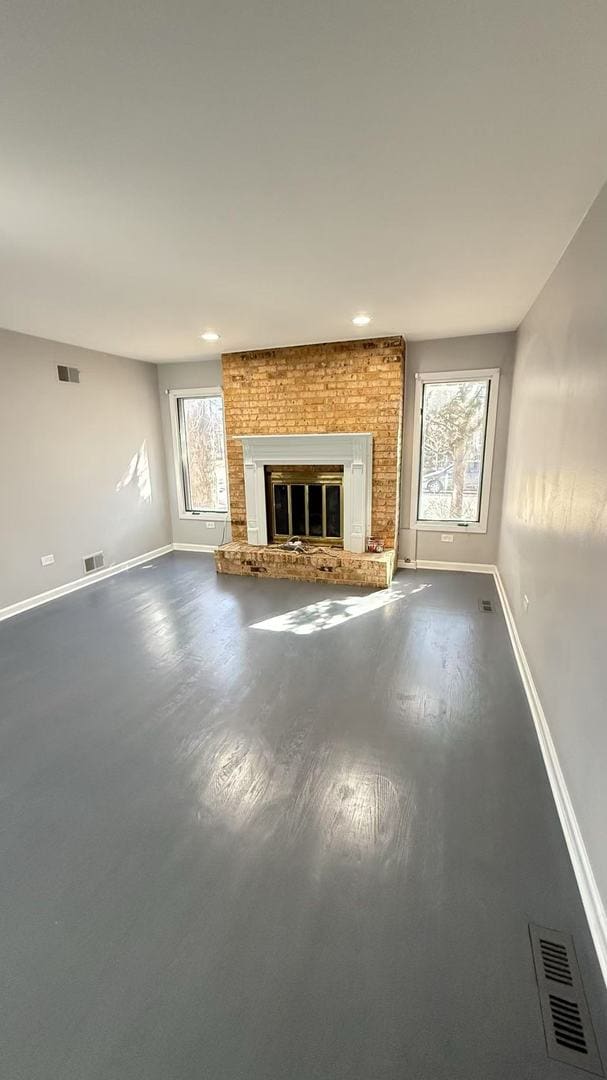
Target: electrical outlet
(447, 538)
(210, 524)
(47, 560)
(525, 602)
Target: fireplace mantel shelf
(352, 450)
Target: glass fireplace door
(307, 503)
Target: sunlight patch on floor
(327, 614)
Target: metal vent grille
(567, 1024)
(68, 374)
(556, 962)
(93, 562)
(485, 605)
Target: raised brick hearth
(340, 567)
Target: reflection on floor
(327, 614)
(258, 856)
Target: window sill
(448, 527)
(204, 515)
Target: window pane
(333, 497)
(281, 509)
(454, 418)
(201, 424)
(298, 509)
(315, 509)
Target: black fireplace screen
(305, 502)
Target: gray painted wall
(486, 350)
(553, 545)
(188, 376)
(81, 466)
(457, 354)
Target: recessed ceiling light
(361, 319)
(210, 335)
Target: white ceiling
(269, 167)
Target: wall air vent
(93, 562)
(67, 374)
(567, 1024)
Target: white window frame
(421, 378)
(184, 513)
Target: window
(199, 443)
(454, 431)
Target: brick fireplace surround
(339, 387)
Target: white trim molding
(492, 376)
(352, 450)
(466, 567)
(589, 892)
(80, 583)
(195, 547)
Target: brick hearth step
(341, 567)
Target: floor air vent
(567, 1024)
(486, 605)
(93, 562)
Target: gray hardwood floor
(257, 830)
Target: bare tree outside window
(203, 453)
(454, 419)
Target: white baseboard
(195, 547)
(80, 583)
(426, 564)
(591, 898)
(467, 567)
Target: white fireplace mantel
(352, 450)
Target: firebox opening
(305, 501)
